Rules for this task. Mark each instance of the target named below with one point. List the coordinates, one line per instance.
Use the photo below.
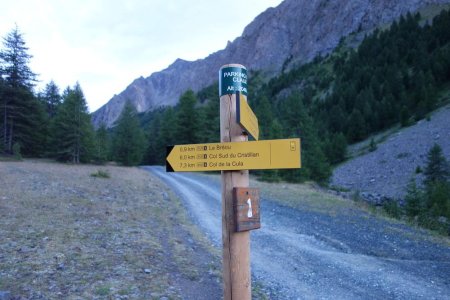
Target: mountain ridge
(290, 34)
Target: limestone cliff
(295, 31)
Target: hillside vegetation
(396, 76)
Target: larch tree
(21, 113)
(187, 119)
(128, 138)
(73, 133)
(52, 98)
(437, 168)
(101, 144)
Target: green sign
(232, 80)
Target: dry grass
(299, 195)
(65, 234)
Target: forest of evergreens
(395, 76)
(56, 125)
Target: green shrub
(16, 151)
(415, 201)
(418, 170)
(393, 209)
(101, 174)
(372, 145)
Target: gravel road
(306, 254)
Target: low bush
(101, 174)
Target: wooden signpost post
(234, 156)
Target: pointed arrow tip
(168, 165)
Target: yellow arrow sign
(245, 116)
(257, 155)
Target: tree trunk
(10, 137)
(5, 127)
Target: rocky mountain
(292, 33)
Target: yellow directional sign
(245, 116)
(257, 155)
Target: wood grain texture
(247, 215)
(236, 245)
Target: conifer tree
(414, 199)
(52, 98)
(73, 133)
(153, 131)
(167, 134)
(437, 168)
(298, 123)
(437, 183)
(336, 148)
(101, 144)
(356, 126)
(265, 117)
(210, 129)
(187, 119)
(20, 109)
(128, 139)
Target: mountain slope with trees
(396, 76)
(279, 39)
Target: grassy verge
(65, 234)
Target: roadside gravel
(324, 247)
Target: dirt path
(326, 249)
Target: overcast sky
(106, 44)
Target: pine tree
(101, 144)
(187, 119)
(128, 139)
(210, 129)
(336, 148)
(298, 123)
(264, 112)
(20, 109)
(438, 200)
(166, 136)
(437, 185)
(52, 98)
(414, 199)
(153, 131)
(73, 133)
(15, 59)
(437, 168)
(356, 126)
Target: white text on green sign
(232, 80)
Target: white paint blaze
(250, 211)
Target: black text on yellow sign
(245, 116)
(257, 155)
